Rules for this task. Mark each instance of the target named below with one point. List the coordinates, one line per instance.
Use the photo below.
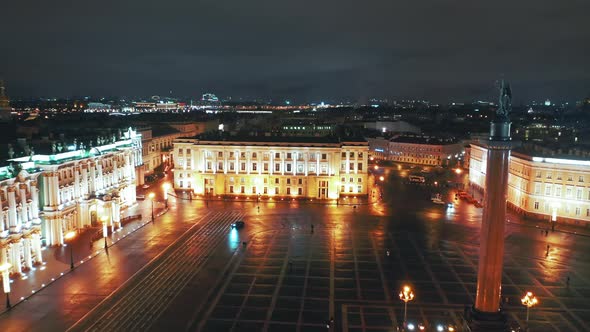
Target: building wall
(322, 171)
(20, 225)
(546, 188)
(425, 154)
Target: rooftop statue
(505, 102)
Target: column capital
(33, 183)
(11, 189)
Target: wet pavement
(287, 278)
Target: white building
(314, 168)
(78, 185)
(418, 149)
(546, 187)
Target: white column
(12, 222)
(84, 172)
(100, 179)
(77, 182)
(317, 163)
(92, 185)
(27, 252)
(34, 201)
(16, 262)
(305, 161)
(23, 203)
(272, 162)
(1, 218)
(36, 243)
(347, 163)
(282, 163)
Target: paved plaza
(293, 280)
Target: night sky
(304, 50)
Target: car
(237, 224)
(140, 197)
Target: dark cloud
(302, 49)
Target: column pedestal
(480, 321)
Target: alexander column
(486, 314)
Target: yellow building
(314, 168)
(547, 187)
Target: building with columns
(71, 188)
(20, 224)
(272, 166)
(418, 149)
(542, 184)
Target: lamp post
(406, 295)
(4, 269)
(166, 187)
(70, 236)
(529, 300)
(152, 196)
(105, 231)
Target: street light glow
(529, 300)
(70, 235)
(381, 178)
(151, 196)
(406, 294)
(458, 171)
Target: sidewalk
(57, 260)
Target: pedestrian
(547, 253)
(547, 232)
(312, 228)
(567, 281)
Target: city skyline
(301, 51)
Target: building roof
(267, 140)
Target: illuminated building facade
(266, 167)
(418, 149)
(551, 188)
(20, 224)
(79, 185)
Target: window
(587, 212)
(299, 168)
(277, 167)
(536, 205)
(547, 190)
(578, 211)
(254, 166)
(276, 190)
(288, 167)
(359, 189)
(360, 180)
(568, 192)
(343, 180)
(219, 154)
(578, 193)
(180, 152)
(276, 180)
(231, 189)
(188, 151)
(537, 188)
(343, 154)
(351, 180)
(352, 155)
(243, 155)
(254, 190)
(288, 181)
(254, 155)
(220, 165)
(242, 180)
(300, 191)
(288, 190)
(324, 156)
(265, 167)
(351, 166)
(360, 166)
(208, 165)
(570, 178)
(557, 191)
(324, 169)
(277, 155)
(289, 155)
(243, 166)
(581, 178)
(538, 174)
(231, 155)
(343, 166)
(265, 180)
(360, 155)
(341, 189)
(548, 175)
(558, 176)
(265, 190)
(300, 181)
(231, 166)
(231, 179)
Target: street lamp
(381, 178)
(152, 196)
(70, 236)
(529, 300)
(166, 187)
(406, 295)
(4, 269)
(105, 231)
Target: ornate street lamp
(406, 295)
(151, 197)
(105, 231)
(166, 187)
(529, 300)
(69, 237)
(4, 269)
